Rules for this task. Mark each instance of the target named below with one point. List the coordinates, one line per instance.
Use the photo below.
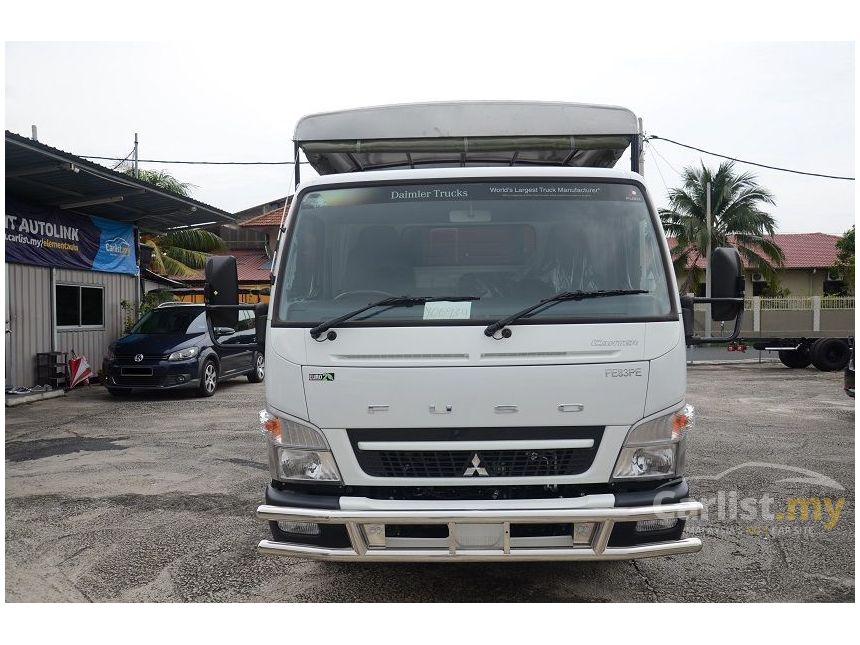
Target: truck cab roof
(467, 133)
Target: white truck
(475, 348)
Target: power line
(666, 161)
(649, 138)
(122, 161)
(751, 163)
(657, 166)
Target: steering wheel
(359, 292)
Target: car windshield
(172, 320)
(510, 244)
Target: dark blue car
(174, 346)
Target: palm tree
(181, 253)
(737, 219)
(160, 178)
(177, 253)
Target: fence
(799, 303)
(794, 316)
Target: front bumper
(152, 375)
(502, 516)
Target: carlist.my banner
(50, 237)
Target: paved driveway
(152, 499)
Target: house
(253, 243)
(262, 209)
(267, 224)
(254, 269)
(807, 270)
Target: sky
(788, 104)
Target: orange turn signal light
(272, 425)
(682, 421)
(679, 422)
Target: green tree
(160, 178)
(737, 219)
(177, 253)
(845, 259)
(182, 253)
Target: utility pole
(135, 155)
(708, 262)
(641, 148)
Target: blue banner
(53, 238)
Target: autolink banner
(53, 238)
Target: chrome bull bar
(596, 549)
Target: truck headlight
(184, 354)
(657, 447)
(297, 451)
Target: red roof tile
(271, 219)
(252, 266)
(802, 250)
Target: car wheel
(259, 372)
(119, 391)
(830, 354)
(208, 379)
(795, 358)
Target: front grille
(496, 463)
(522, 462)
(128, 359)
(137, 381)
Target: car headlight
(111, 353)
(184, 354)
(297, 451)
(657, 447)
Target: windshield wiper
(564, 296)
(393, 301)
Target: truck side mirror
(261, 314)
(727, 281)
(687, 312)
(222, 288)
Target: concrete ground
(152, 499)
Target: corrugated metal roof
(46, 175)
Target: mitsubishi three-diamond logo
(476, 470)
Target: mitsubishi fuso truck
(475, 346)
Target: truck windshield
(510, 244)
(172, 320)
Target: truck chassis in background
(826, 354)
